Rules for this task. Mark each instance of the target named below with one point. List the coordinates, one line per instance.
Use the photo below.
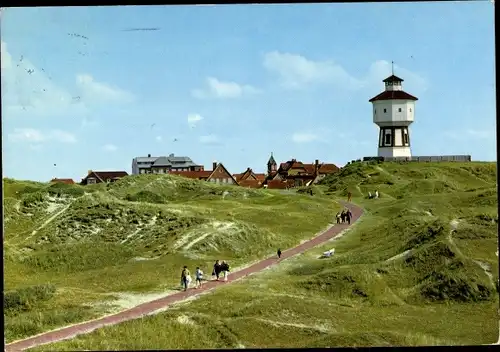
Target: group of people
(219, 268)
(223, 267)
(344, 216)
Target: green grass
(91, 243)
(403, 275)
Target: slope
(419, 269)
(72, 252)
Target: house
(163, 164)
(294, 173)
(218, 174)
(94, 177)
(67, 181)
(250, 179)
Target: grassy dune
(418, 269)
(72, 253)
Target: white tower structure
(393, 112)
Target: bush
(24, 299)
(31, 199)
(146, 196)
(65, 189)
(444, 286)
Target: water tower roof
(393, 95)
(393, 78)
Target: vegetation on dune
(419, 264)
(134, 235)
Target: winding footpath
(153, 306)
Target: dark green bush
(146, 196)
(65, 189)
(25, 299)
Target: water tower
(393, 112)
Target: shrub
(145, 196)
(31, 199)
(24, 299)
(65, 189)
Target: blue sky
(234, 83)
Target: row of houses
(292, 173)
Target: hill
(75, 252)
(418, 269)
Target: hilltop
(418, 269)
(75, 252)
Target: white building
(163, 164)
(393, 112)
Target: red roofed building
(68, 181)
(250, 179)
(294, 173)
(218, 174)
(94, 177)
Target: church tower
(272, 167)
(393, 112)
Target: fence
(460, 158)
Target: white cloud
(110, 147)
(30, 90)
(37, 136)
(193, 119)
(305, 137)
(224, 90)
(298, 72)
(209, 139)
(97, 92)
(6, 58)
(86, 123)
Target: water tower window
(375, 111)
(385, 110)
(388, 137)
(399, 110)
(405, 137)
(410, 109)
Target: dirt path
(159, 304)
(49, 220)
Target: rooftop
(393, 94)
(393, 78)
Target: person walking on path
(185, 277)
(225, 269)
(338, 217)
(216, 271)
(279, 253)
(349, 196)
(342, 216)
(348, 216)
(199, 277)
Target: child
(338, 217)
(199, 277)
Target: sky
(84, 89)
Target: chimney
(90, 171)
(316, 167)
(149, 155)
(214, 165)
